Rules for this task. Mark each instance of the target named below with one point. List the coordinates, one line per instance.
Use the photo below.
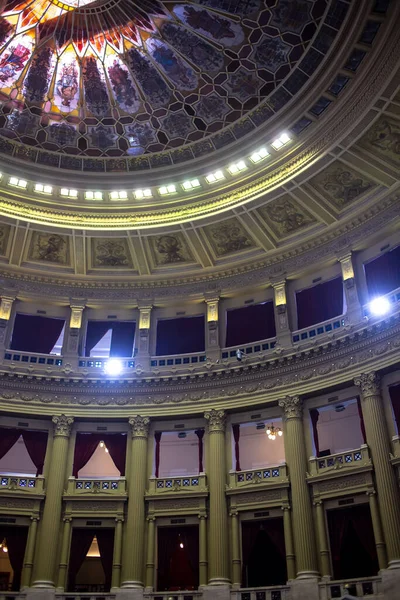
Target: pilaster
(354, 310)
(323, 544)
(150, 562)
(65, 544)
(117, 554)
(283, 333)
(212, 327)
(377, 527)
(72, 336)
(289, 548)
(143, 355)
(29, 553)
(236, 562)
(203, 564)
(6, 304)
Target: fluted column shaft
(295, 449)
(132, 557)
(378, 442)
(203, 549)
(117, 552)
(29, 552)
(289, 549)
(378, 533)
(150, 562)
(218, 518)
(236, 562)
(66, 540)
(323, 540)
(46, 554)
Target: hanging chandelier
(3, 545)
(102, 445)
(272, 432)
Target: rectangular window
(110, 338)
(250, 324)
(383, 273)
(319, 303)
(180, 336)
(32, 333)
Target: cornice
(335, 362)
(288, 262)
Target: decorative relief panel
(228, 236)
(383, 139)
(255, 497)
(50, 248)
(285, 216)
(169, 249)
(111, 252)
(4, 237)
(341, 184)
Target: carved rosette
(139, 426)
(369, 384)
(62, 425)
(216, 420)
(292, 407)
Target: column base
(391, 581)
(40, 594)
(305, 587)
(43, 583)
(129, 594)
(136, 585)
(220, 590)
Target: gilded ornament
(369, 383)
(216, 420)
(62, 425)
(139, 426)
(292, 407)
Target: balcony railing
(186, 483)
(341, 461)
(22, 483)
(184, 595)
(178, 360)
(318, 330)
(253, 348)
(99, 363)
(271, 475)
(84, 596)
(32, 358)
(393, 297)
(367, 588)
(267, 593)
(107, 486)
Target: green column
(116, 568)
(379, 444)
(377, 527)
(218, 517)
(29, 553)
(288, 533)
(132, 557)
(322, 540)
(46, 554)
(296, 458)
(203, 549)
(150, 562)
(63, 567)
(236, 562)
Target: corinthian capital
(216, 420)
(369, 383)
(292, 407)
(139, 426)
(62, 425)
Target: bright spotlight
(379, 306)
(113, 367)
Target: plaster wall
(17, 461)
(256, 449)
(339, 431)
(178, 456)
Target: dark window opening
(37, 334)
(263, 543)
(178, 558)
(383, 273)
(14, 538)
(250, 324)
(90, 560)
(105, 338)
(180, 336)
(319, 303)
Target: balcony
(320, 330)
(159, 486)
(21, 485)
(369, 588)
(82, 596)
(269, 593)
(340, 464)
(255, 477)
(255, 349)
(184, 595)
(33, 360)
(178, 362)
(96, 486)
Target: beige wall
(178, 456)
(17, 460)
(339, 431)
(256, 450)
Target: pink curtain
(116, 445)
(8, 438)
(362, 425)
(394, 392)
(236, 436)
(36, 445)
(314, 416)
(200, 435)
(157, 437)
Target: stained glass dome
(113, 78)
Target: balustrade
(185, 483)
(318, 330)
(267, 593)
(22, 483)
(33, 358)
(269, 475)
(115, 486)
(345, 461)
(178, 360)
(259, 347)
(369, 588)
(173, 596)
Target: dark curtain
(80, 543)
(105, 540)
(85, 446)
(94, 332)
(35, 334)
(123, 337)
(178, 568)
(383, 273)
(16, 538)
(180, 336)
(157, 437)
(394, 392)
(8, 438)
(116, 445)
(236, 436)
(362, 425)
(319, 303)
(314, 416)
(263, 543)
(352, 542)
(200, 435)
(250, 324)
(36, 445)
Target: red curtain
(236, 436)
(263, 542)
(319, 303)
(362, 425)
(105, 540)
(36, 445)
(16, 538)
(81, 541)
(35, 334)
(383, 273)
(157, 437)
(178, 568)
(200, 435)
(8, 438)
(314, 416)
(180, 336)
(250, 324)
(394, 392)
(116, 445)
(85, 446)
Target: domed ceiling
(115, 78)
